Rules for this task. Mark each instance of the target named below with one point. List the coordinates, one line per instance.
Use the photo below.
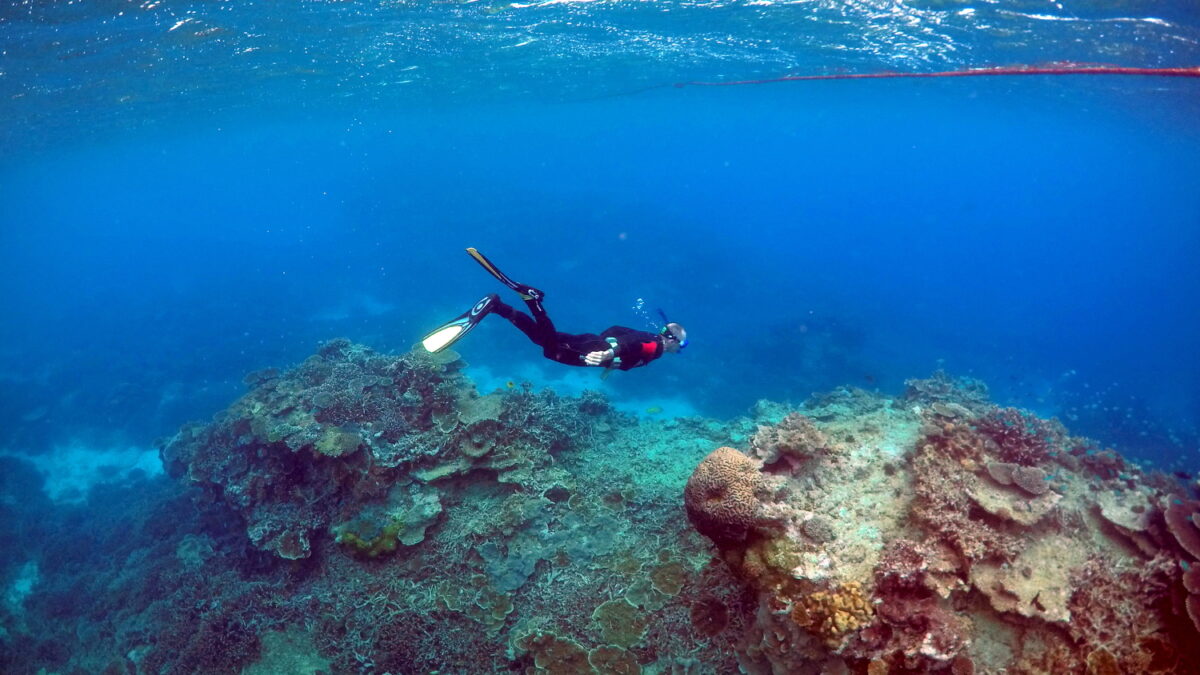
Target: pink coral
(913, 629)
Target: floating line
(1062, 69)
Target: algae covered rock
(402, 519)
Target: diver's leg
(544, 324)
(521, 320)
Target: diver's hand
(598, 358)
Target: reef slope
(374, 513)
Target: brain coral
(720, 496)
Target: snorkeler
(618, 347)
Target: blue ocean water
(190, 191)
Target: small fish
(510, 384)
(653, 410)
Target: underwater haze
(191, 192)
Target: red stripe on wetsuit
(649, 350)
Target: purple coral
(1022, 438)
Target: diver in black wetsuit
(617, 347)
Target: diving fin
(527, 292)
(452, 331)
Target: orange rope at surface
(1056, 69)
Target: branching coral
(1123, 610)
(709, 616)
(1022, 438)
(959, 442)
(913, 629)
(945, 509)
(942, 388)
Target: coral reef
(938, 532)
(334, 434)
(369, 513)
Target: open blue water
(190, 191)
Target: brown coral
(610, 660)
(720, 496)
(1181, 520)
(943, 507)
(554, 655)
(709, 616)
(1118, 607)
(834, 613)
(1031, 479)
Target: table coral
(336, 442)
(1031, 479)
(308, 445)
(610, 660)
(1182, 518)
(619, 623)
(553, 655)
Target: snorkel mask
(678, 334)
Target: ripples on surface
(76, 59)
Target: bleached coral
(977, 546)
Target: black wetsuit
(632, 347)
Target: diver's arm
(606, 357)
(599, 358)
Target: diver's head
(674, 337)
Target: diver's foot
(454, 330)
(527, 293)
